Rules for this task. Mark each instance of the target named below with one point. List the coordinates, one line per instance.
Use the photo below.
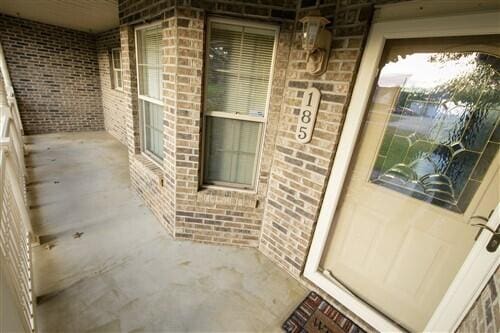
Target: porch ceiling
(84, 15)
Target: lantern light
(316, 41)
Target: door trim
(446, 317)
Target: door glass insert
(439, 138)
(425, 161)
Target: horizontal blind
(118, 79)
(153, 127)
(116, 60)
(117, 68)
(238, 69)
(149, 61)
(231, 150)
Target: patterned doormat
(315, 315)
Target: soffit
(85, 15)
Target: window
(439, 139)
(237, 83)
(116, 69)
(149, 72)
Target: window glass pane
(153, 128)
(231, 150)
(225, 47)
(220, 86)
(441, 126)
(238, 69)
(116, 59)
(149, 61)
(118, 82)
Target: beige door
(426, 162)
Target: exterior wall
(131, 12)
(484, 315)
(55, 76)
(154, 183)
(146, 177)
(216, 215)
(299, 172)
(280, 218)
(113, 101)
(171, 190)
(207, 215)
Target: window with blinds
(116, 66)
(237, 83)
(149, 68)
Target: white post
(9, 89)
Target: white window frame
(142, 123)
(114, 70)
(226, 115)
(477, 268)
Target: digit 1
(310, 97)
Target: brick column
(170, 117)
(190, 34)
(299, 172)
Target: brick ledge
(228, 197)
(150, 166)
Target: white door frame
(454, 305)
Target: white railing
(16, 234)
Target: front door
(426, 164)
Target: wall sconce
(316, 41)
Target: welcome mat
(315, 315)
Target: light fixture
(316, 41)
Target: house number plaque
(307, 115)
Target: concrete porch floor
(106, 265)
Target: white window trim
(114, 69)
(142, 124)
(253, 188)
(446, 317)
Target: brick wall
(171, 190)
(216, 215)
(484, 315)
(113, 101)
(209, 215)
(135, 12)
(280, 218)
(300, 171)
(55, 76)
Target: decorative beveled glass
(441, 136)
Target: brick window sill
(227, 196)
(150, 165)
